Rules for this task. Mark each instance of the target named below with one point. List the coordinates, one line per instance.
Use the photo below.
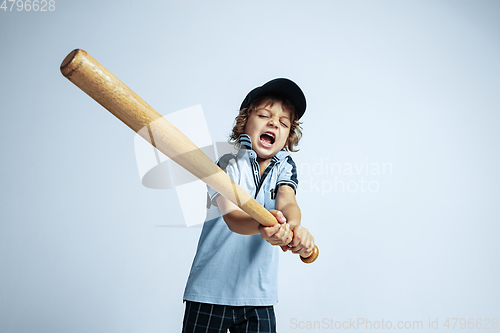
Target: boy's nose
(273, 122)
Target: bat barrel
(100, 84)
(95, 80)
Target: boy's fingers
(282, 233)
(290, 236)
(302, 249)
(277, 235)
(274, 230)
(299, 250)
(268, 232)
(278, 215)
(278, 231)
(283, 237)
(295, 241)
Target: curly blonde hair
(241, 121)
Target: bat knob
(311, 257)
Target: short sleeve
(227, 164)
(288, 174)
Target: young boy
(233, 280)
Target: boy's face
(268, 128)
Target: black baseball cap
(280, 87)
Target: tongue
(266, 139)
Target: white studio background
(398, 164)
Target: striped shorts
(208, 318)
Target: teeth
(270, 134)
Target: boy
(233, 280)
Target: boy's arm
(303, 241)
(240, 222)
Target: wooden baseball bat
(95, 80)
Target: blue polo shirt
(234, 269)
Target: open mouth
(267, 139)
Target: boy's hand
(279, 234)
(302, 242)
